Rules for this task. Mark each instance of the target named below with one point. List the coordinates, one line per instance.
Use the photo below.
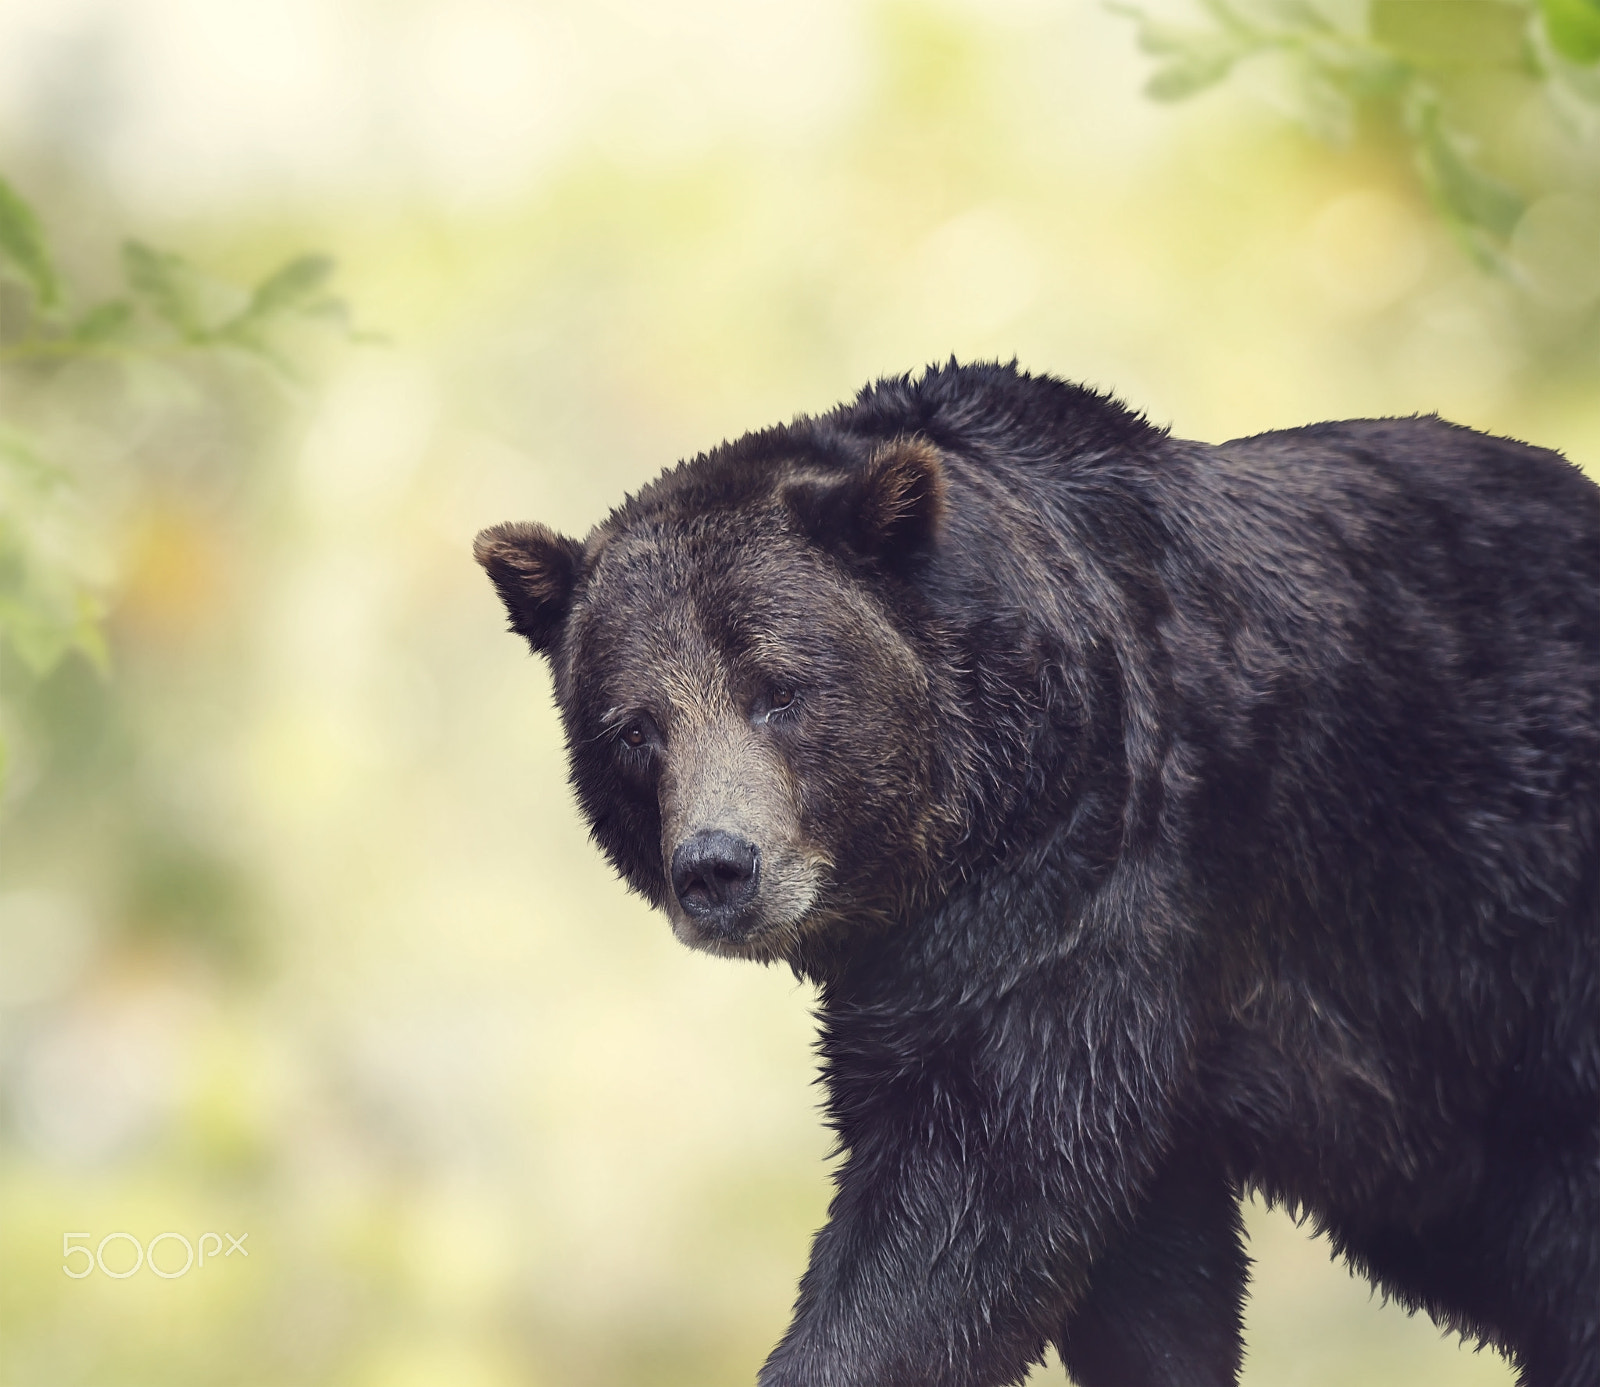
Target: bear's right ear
(535, 570)
(890, 510)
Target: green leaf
(22, 245)
(24, 464)
(1573, 27)
(1473, 199)
(47, 605)
(1162, 40)
(102, 322)
(1359, 69)
(293, 287)
(44, 632)
(38, 637)
(44, 614)
(168, 283)
(1226, 15)
(1190, 74)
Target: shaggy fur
(1158, 820)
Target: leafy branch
(53, 588)
(164, 290)
(1403, 62)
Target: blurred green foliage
(48, 606)
(1472, 87)
(126, 421)
(51, 602)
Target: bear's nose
(714, 874)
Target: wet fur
(1199, 818)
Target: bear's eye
(779, 701)
(637, 732)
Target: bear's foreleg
(1164, 1306)
(999, 1142)
(913, 1283)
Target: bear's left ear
(890, 510)
(535, 571)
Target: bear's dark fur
(1158, 820)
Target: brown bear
(1158, 821)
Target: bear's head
(753, 727)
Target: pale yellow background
(483, 1121)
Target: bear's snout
(715, 876)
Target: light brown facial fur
(721, 773)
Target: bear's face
(751, 730)
(745, 724)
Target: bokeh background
(300, 938)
